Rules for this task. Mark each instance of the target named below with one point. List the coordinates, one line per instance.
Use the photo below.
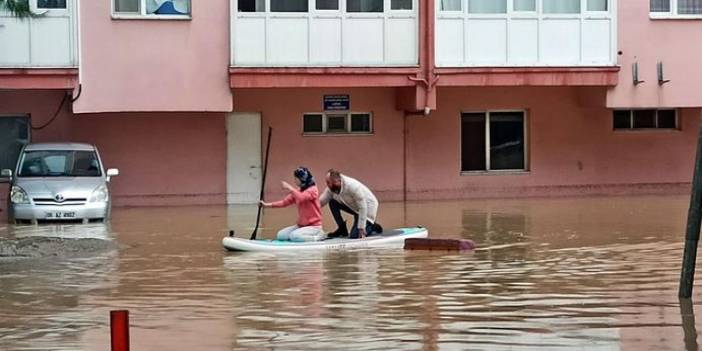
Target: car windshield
(58, 163)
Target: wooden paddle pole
(694, 218)
(263, 183)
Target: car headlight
(99, 195)
(18, 196)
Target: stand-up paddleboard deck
(389, 239)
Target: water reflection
(687, 312)
(67, 231)
(550, 274)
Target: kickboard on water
(394, 238)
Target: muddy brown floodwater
(595, 273)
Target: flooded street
(596, 273)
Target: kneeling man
(346, 194)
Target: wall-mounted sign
(337, 103)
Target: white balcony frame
(70, 12)
(313, 14)
(540, 16)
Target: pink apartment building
(419, 99)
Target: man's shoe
(340, 232)
(377, 228)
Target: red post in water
(119, 330)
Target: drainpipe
(79, 51)
(426, 75)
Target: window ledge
(494, 173)
(152, 17)
(675, 17)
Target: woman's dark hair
(305, 177)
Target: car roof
(60, 146)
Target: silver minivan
(59, 182)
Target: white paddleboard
(389, 239)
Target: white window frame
(348, 114)
(143, 15)
(540, 17)
(654, 129)
(487, 169)
(511, 12)
(673, 14)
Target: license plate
(60, 215)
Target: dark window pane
(327, 4)
(51, 4)
(289, 5)
(622, 119)
(252, 5)
(644, 118)
(361, 123)
(336, 124)
(660, 5)
(312, 124)
(666, 119)
(473, 142)
(401, 5)
(14, 134)
(364, 6)
(127, 6)
(690, 7)
(506, 140)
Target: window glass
(622, 119)
(597, 5)
(56, 163)
(473, 142)
(506, 141)
(312, 123)
(401, 5)
(364, 6)
(450, 5)
(561, 6)
(487, 6)
(51, 4)
(336, 124)
(660, 5)
(127, 6)
(644, 118)
(327, 4)
(666, 119)
(361, 122)
(525, 5)
(252, 5)
(167, 7)
(690, 7)
(289, 5)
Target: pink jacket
(308, 209)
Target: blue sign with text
(337, 103)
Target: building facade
(432, 99)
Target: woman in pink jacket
(309, 215)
